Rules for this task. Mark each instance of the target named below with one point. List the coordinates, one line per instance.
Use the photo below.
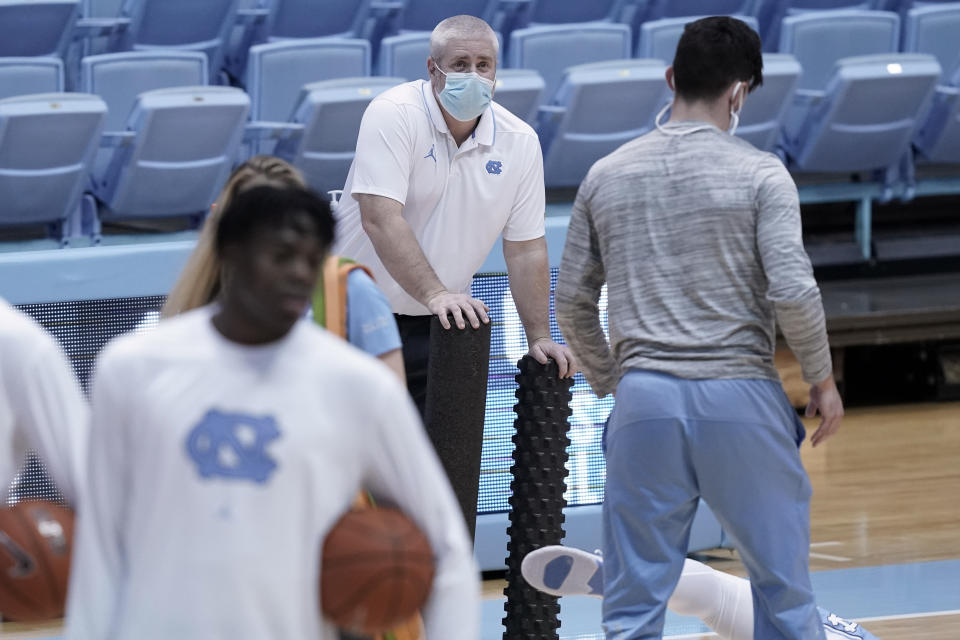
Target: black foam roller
(536, 504)
(456, 406)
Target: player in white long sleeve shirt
(41, 406)
(227, 443)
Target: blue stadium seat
(47, 142)
(181, 25)
(278, 70)
(771, 14)
(551, 49)
(120, 77)
(570, 11)
(936, 30)
(330, 113)
(819, 39)
(20, 76)
(404, 55)
(169, 143)
(598, 107)
(520, 91)
(938, 139)
(766, 108)
(314, 19)
(657, 9)
(176, 152)
(659, 38)
(36, 27)
(424, 15)
(866, 115)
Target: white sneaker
(564, 571)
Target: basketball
(376, 571)
(35, 542)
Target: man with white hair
(440, 172)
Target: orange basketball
(376, 571)
(35, 542)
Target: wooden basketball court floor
(885, 533)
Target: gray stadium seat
(766, 108)
(178, 149)
(659, 38)
(935, 29)
(36, 27)
(772, 14)
(330, 114)
(520, 91)
(120, 77)
(551, 49)
(278, 70)
(47, 143)
(169, 145)
(628, 94)
(866, 116)
(819, 39)
(20, 76)
(681, 8)
(571, 11)
(404, 55)
(171, 25)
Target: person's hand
(458, 305)
(543, 348)
(825, 398)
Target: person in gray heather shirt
(697, 235)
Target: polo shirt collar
(486, 131)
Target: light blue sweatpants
(670, 441)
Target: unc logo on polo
(495, 167)
(233, 446)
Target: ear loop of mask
(734, 119)
(734, 112)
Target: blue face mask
(465, 95)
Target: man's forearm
(529, 270)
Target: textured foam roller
(536, 504)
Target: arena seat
(551, 49)
(543, 12)
(404, 55)
(766, 108)
(423, 15)
(278, 70)
(169, 142)
(47, 143)
(120, 77)
(36, 27)
(21, 76)
(520, 91)
(772, 14)
(658, 9)
(659, 38)
(819, 39)
(330, 113)
(178, 25)
(628, 93)
(177, 151)
(865, 117)
(935, 30)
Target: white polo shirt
(456, 200)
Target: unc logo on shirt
(233, 445)
(495, 167)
